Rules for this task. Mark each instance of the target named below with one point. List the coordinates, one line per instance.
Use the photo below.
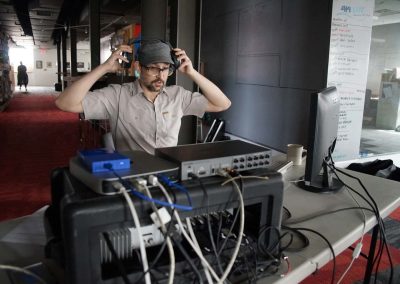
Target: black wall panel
(267, 56)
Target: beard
(155, 85)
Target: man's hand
(186, 64)
(71, 98)
(112, 63)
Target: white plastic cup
(294, 154)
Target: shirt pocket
(171, 122)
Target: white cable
(196, 250)
(240, 177)
(241, 228)
(193, 236)
(168, 239)
(139, 232)
(356, 253)
(22, 270)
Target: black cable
(289, 243)
(362, 185)
(118, 262)
(156, 259)
(359, 194)
(232, 225)
(378, 218)
(235, 218)
(165, 234)
(269, 268)
(330, 247)
(319, 214)
(361, 253)
(118, 103)
(382, 232)
(161, 251)
(276, 246)
(289, 215)
(208, 221)
(189, 260)
(260, 243)
(229, 232)
(380, 224)
(127, 184)
(248, 270)
(244, 265)
(278, 257)
(380, 250)
(255, 261)
(219, 229)
(383, 244)
(177, 242)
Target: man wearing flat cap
(145, 114)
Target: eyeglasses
(155, 71)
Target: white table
(21, 251)
(342, 229)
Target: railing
(91, 132)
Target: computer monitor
(323, 128)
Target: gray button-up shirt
(143, 125)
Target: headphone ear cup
(129, 57)
(177, 62)
(174, 58)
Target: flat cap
(154, 52)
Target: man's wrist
(104, 68)
(192, 73)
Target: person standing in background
(22, 76)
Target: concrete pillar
(94, 32)
(154, 19)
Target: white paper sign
(348, 69)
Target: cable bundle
(236, 254)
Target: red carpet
(35, 138)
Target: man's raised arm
(217, 101)
(71, 98)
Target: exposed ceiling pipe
(21, 9)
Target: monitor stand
(324, 183)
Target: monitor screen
(323, 128)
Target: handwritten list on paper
(348, 69)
